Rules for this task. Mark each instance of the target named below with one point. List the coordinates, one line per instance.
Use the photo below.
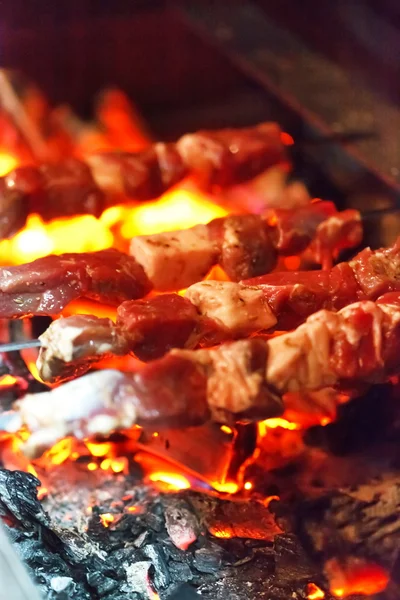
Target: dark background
(73, 48)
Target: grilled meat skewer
(238, 381)
(245, 245)
(48, 284)
(215, 158)
(214, 311)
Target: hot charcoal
(135, 542)
(134, 557)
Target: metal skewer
(15, 346)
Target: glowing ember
(98, 449)
(174, 481)
(42, 492)
(314, 592)
(226, 429)
(77, 234)
(106, 519)
(267, 501)
(292, 263)
(8, 162)
(221, 533)
(151, 593)
(59, 452)
(177, 209)
(92, 466)
(120, 465)
(134, 509)
(228, 487)
(7, 380)
(278, 422)
(105, 464)
(263, 426)
(357, 577)
(248, 485)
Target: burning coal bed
(318, 516)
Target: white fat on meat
(236, 381)
(106, 172)
(73, 339)
(240, 309)
(330, 229)
(175, 259)
(60, 340)
(92, 405)
(300, 359)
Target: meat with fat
(73, 187)
(216, 311)
(71, 345)
(244, 245)
(46, 285)
(142, 176)
(319, 227)
(151, 326)
(175, 259)
(54, 190)
(212, 312)
(219, 158)
(358, 344)
(238, 381)
(293, 296)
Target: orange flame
(8, 162)
(120, 465)
(177, 209)
(314, 592)
(226, 429)
(152, 594)
(60, 452)
(42, 492)
(220, 533)
(106, 519)
(263, 426)
(37, 239)
(98, 449)
(134, 509)
(7, 380)
(358, 577)
(174, 481)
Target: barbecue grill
(304, 504)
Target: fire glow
(314, 592)
(179, 208)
